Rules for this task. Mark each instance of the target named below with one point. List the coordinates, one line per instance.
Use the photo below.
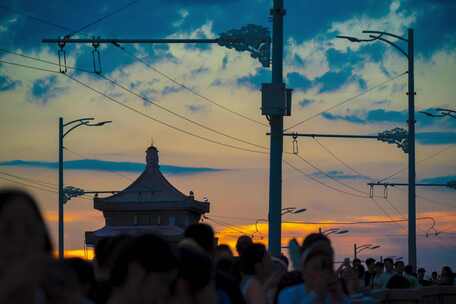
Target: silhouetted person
(26, 248)
(320, 281)
(379, 269)
(85, 277)
(144, 271)
(242, 243)
(421, 279)
(446, 276)
(370, 273)
(398, 282)
(387, 273)
(399, 267)
(256, 266)
(225, 284)
(410, 276)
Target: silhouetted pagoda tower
(149, 205)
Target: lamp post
(409, 54)
(283, 211)
(62, 196)
(332, 231)
(357, 249)
(441, 113)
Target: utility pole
(61, 194)
(411, 154)
(276, 122)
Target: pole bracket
(252, 38)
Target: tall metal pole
(411, 160)
(276, 122)
(355, 252)
(61, 199)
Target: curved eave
(190, 205)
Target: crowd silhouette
(147, 269)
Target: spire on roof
(152, 157)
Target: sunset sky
(220, 87)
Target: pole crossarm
(450, 184)
(396, 136)
(440, 113)
(251, 38)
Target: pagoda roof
(150, 187)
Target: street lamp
(440, 113)
(357, 249)
(286, 210)
(292, 210)
(332, 231)
(409, 54)
(63, 197)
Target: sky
(200, 106)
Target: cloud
(102, 165)
(338, 174)
(438, 179)
(436, 138)
(304, 103)
(196, 108)
(7, 84)
(383, 116)
(45, 89)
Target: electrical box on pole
(275, 99)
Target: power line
(44, 184)
(346, 101)
(35, 18)
(418, 162)
(28, 185)
(330, 177)
(341, 161)
(138, 111)
(145, 63)
(151, 67)
(145, 99)
(102, 18)
(320, 182)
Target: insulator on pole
(295, 144)
(385, 192)
(96, 58)
(371, 191)
(62, 58)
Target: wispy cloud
(102, 165)
(7, 84)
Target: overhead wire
(138, 111)
(120, 9)
(144, 98)
(207, 99)
(346, 100)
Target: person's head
(434, 275)
(389, 265)
(398, 282)
(370, 263)
(255, 260)
(446, 276)
(203, 235)
(356, 263)
(421, 272)
(379, 268)
(242, 243)
(146, 263)
(22, 228)
(84, 273)
(399, 267)
(317, 256)
(106, 252)
(223, 251)
(195, 266)
(408, 269)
